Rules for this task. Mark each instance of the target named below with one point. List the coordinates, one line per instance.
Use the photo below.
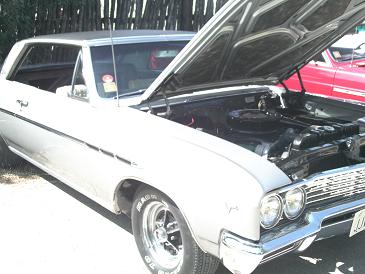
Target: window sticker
(107, 78)
(110, 87)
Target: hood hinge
(168, 108)
(161, 89)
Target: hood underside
(257, 41)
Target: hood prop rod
(301, 81)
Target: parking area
(46, 227)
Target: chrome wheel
(161, 235)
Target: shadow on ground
(21, 174)
(121, 220)
(28, 172)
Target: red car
(337, 72)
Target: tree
(21, 19)
(16, 23)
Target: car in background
(338, 72)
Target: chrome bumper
(241, 256)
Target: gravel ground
(46, 227)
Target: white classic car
(197, 144)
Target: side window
(319, 58)
(47, 67)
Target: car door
(318, 76)
(49, 118)
(350, 83)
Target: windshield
(341, 54)
(137, 66)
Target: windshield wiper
(137, 92)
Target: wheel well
(124, 199)
(125, 195)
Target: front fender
(212, 193)
(216, 184)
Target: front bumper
(241, 256)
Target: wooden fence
(20, 19)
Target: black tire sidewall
(142, 199)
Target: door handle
(22, 103)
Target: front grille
(333, 187)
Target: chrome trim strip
(346, 221)
(279, 253)
(116, 40)
(350, 92)
(106, 152)
(65, 181)
(342, 194)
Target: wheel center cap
(161, 235)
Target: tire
(164, 239)
(7, 158)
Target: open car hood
(256, 42)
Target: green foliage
(20, 19)
(16, 23)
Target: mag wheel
(164, 239)
(162, 234)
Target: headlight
(271, 211)
(294, 203)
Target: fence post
(187, 15)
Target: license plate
(358, 224)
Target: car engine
(256, 128)
(301, 137)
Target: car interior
(48, 71)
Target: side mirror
(64, 91)
(80, 91)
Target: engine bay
(301, 134)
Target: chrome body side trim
(65, 181)
(108, 153)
